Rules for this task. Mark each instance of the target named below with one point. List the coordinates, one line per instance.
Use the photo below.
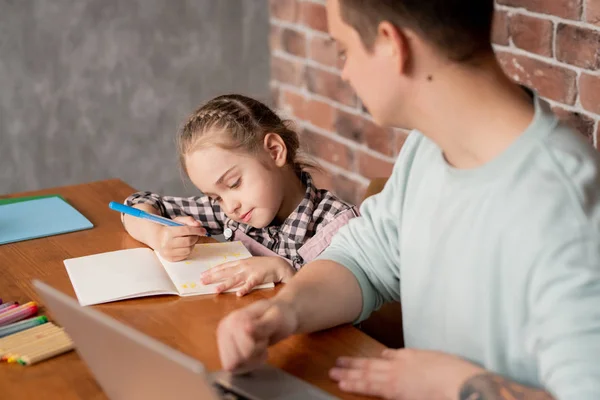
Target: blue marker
(136, 212)
(23, 325)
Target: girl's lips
(246, 217)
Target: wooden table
(187, 324)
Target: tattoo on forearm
(494, 387)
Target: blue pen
(135, 212)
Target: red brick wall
(552, 46)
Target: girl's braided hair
(238, 122)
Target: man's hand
(419, 374)
(404, 374)
(244, 335)
(249, 272)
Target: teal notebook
(11, 200)
(39, 218)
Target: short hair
(461, 29)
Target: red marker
(16, 314)
(8, 308)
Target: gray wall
(95, 89)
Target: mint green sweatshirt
(499, 265)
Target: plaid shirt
(317, 209)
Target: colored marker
(7, 309)
(135, 212)
(6, 305)
(21, 326)
(19, 313)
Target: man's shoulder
(557, 188)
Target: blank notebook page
(117, 275)
(39, 218)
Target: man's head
(392, 46)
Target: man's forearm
(490, 386)
(323, 294)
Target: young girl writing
(246, 161)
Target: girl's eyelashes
(236, 184)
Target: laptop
(128, 364)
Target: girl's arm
(200, 208)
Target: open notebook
(126, 274)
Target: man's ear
(276, 148)
(393, 42)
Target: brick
(349, 126)
(329, 85)
(328, 150)
(347, 189)
(285, 10)
(286, 71)
(362, 130)
(294, 104)
(570, 9)
(589, 92)
(378, 138)
(592, 12)
(293, 42)
(324, 51)
(532, 34)
(322, 179)
(372, 167)
(553, 82)
(577, 121)
(314, 16)
(275, 37)
(578, 46)
(500, 28)
(320, 114)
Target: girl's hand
(249, 273)
(175, 243)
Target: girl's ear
(275, 147)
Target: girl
(246, 161)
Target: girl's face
(249, 188)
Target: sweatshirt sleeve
(369, 244)
(564, 328)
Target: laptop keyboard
(227, 394)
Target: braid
(236, 121)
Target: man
(487, 231)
